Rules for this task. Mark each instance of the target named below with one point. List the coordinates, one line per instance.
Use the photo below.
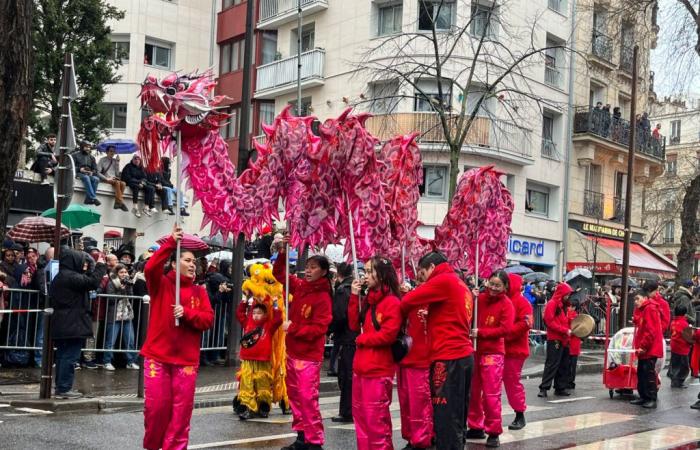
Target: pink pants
(416, 407)
(513, 369)
(485, 398)
(303, 380)
(169, 398)
(371, 398)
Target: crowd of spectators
(610, 124)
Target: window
(671, 164)
(157, 55)
(230, 3)
(552, 63)
(620, 185)
(231, 56)
(269, 46)
(117, 114)
(669, 232)
(384, 96)
(537, 200)
(557, 5)
(549, 148)
(121, 51)
(266, 114)
(390, 19)
(308, 35)
(434, 182)
(437, 12)
(675, 131)
(305, 106)
(230, 129)
(593, 177)
(428, 99)
(624, 104)
(484, 21)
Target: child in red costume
(680, 349)
(494, 320)
(517, 351)
(574, 350)
(308, 320)
(255, 377)
(649, 347)
(374, 367)
(171, 353)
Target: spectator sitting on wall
(86, 168)
(108, 171)
(45, 162)
(134, 176)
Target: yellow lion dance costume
(264, 288)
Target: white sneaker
(154, 210)
(110, 367)
(132, 366)
(136, 212)
(147, 212)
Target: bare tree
(477, 63)
(15, 91)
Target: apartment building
(606, 33)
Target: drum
(582, 326)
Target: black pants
(333, 359)
(163, 194)
(449, 391)
(573, 362)
(556, 367)
(148, 194)
(346, 354)
(680, 367)
(646, 379)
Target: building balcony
(492, 138)
(549, 149)
(619, 207)
(552, 77)
(593, 204)
(596, 205)
(274, 13)
(280, 77)
(600, 124)
(602, 46)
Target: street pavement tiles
(662, 438)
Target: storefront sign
(602, 268)
(526, 247)
(601, 230)
(529, 250)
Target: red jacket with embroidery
(418, 356)
(679, 345)
(310, 313)
(494, 321)
(373, 356)
(449, 313)
(647, 331)
(165, 342)
(555, 315)
(262, 350)
(518, 340)
(574, 342)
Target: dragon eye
(170, 91)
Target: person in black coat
(69, 295)
(135, 177)
(346, 338)
(156, 180)
(218, 286)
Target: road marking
(274, 437)
(34, 411)
(650, 440)
(4, 405)
(567, 400)
(325, 414)
(542, 428)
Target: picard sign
(602, 230)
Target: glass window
(266, 115)
(305, 105)
(669, 232)
(121, 51)
(675, 131)
(236, 56)
(483, 21)
(434, 182)
(308, 33)
(384, 96)
(428, 98)
(225, 65)
(390, 19)
(437, 12)
(230, 130)
(157, 55)
(230, 3)
(269, 46)
(671, 165)
(537, 200)
(117, 114)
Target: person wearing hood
(171, 350)
(134, 176)
(494, 321)
(648, 346)
(517, 351)
(556, 365)
(684, 296)
(255, 376)
(72, 320)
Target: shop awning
(640, 256)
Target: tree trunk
(689, 226)
(454, 172)
(15, 91)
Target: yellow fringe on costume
(255, 378)
(264, 288)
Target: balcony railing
(494, 134)
(602, 46)
(552, 76)
(276, 11)
(619, 206)
(601, 123)
(283, 73)
(549, 149)
(593, 204)
(626, 58)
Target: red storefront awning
(641, 259)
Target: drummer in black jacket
(346, 338)
(69, 296)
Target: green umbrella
(75, 216)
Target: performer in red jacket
(255, 376)
(517, 351)
(378, 323)
(556, 365)
(309, 317)
(449, 318)
(413, 382)
(680, 349)
(494, 322)
(648, 346)
(171, 353)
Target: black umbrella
(647, 276)
(617, 282)
(518, 269)
(536, 277)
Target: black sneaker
(542, 393)
(518, 423)
(88, 201)
(638, 401)
(183, 212)
(493, 441)
(562, 393)
(96, 202)
(695, 405)
(651, 404)
(473, 433)
(246, 414)
(299, 444)
(342, 419)
(90, 365)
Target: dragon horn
(285, 114)
(344, 115)
(268, 129)
(362, 118)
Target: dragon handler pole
(178, 218)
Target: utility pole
(628, 193)
(242, 164)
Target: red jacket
(574, 341)
(555, 315)
(518, 340)
(679, 345)
(418, 356)
(165, 342)
(262, 350)
(310, 313)
(664, 310)
(647, 331)
(449, 313)
(494, 319)
(373, 356)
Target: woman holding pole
(309, 315)
(171, 351)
